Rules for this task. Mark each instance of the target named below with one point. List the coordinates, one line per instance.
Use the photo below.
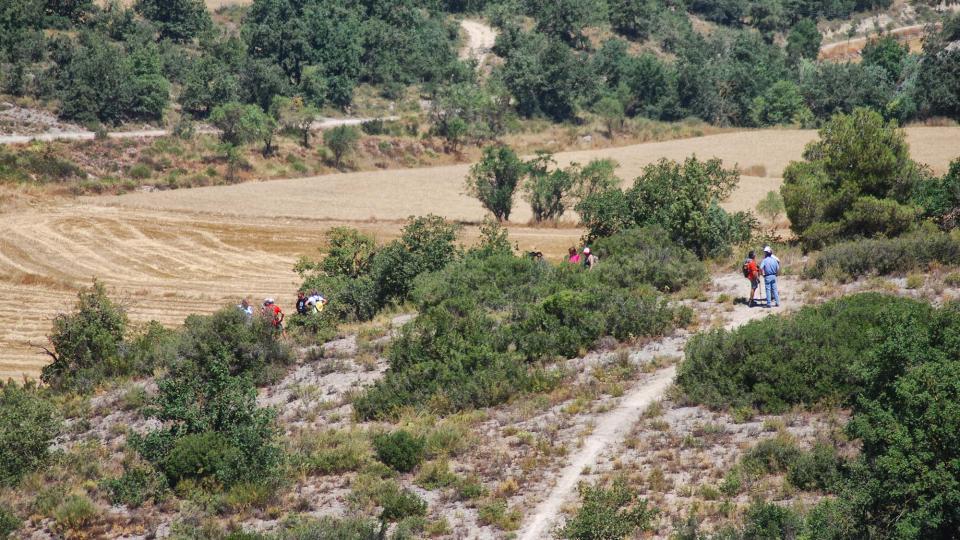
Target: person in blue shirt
(770, 269)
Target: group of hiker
(768, 269)
(584, 258)
(269, 310)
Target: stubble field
(172, 253)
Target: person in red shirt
(273, 311)
(752, 272)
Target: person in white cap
(770, 268)
(589, 259)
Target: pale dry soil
(167, 254)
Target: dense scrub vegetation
(113, 63)
(884, 256)
(487, 321)
(858, 181)
(893, 361)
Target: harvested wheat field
(172, 253)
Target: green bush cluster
(487, 321)
(885, 256)
(683, 199)
(401, 450)
(361, 279)
(816, 469)
(894, 362)
(42, 165)
(816, 355)
(28, 424)
(616, 511)
(135, 486)
(9, 522)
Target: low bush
(400, 450)
(610, 512)
(9, 522)
(885, 256)
(648, 256)
(814, 355)
(329, 528)
(86, 343)
(771, 456)
(332, 452)
(767, 520)
(75, 513)
(28, 424)
(816, 469)
(135, 486)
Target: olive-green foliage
(9, 522)
(494, 179)
(682, 199)
(178, 20)
(41, 165)
(98, 80)
(781, 104)
(360, 279)
(484, 319)
(647, 255)
(887, 256)
(75, 513)
(609, 513)
(548, 191)
(137, 485)
(904, 483)
(86, 343)
(940, 197)
(400, 449)
(804, 40)
(816, 354)
(332, 452)
(207, 402)
(767, 520)
(938, 82)
(328, 528)
(342, 141)
(857, 181)
(28, 424)
(242, 124)
(894, 362)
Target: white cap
(586, 250)
(268, 300)
(766, 249)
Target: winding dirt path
(612, 427)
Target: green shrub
(75, 513)
(436, 475)
(28, 425)
(818, 468)
(470, 488)
(766, 520)
(646, 255)
(494, 179)
(816, 354)
(770, 456)
(400, 450)
(86, 343)
(887, 256)
(499, 514)
(197, 456)
(140, 171)
(333, 452)
(135, 486)
(683, 199)
(329, 528)
(9, 522)
(608, 513)
(341, 140)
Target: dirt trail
(154, 133)
(612, 427)
(480, 40)
(852, 47)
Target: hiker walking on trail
(770, 269)
(272, 311)
(589, 259)
(573, 256)
(301, 303)
(752, 272)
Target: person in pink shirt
(574, 257)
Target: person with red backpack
(752, 272)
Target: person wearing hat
(272, 311)
(770, 269)
(589, 259)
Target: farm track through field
(171, 253)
